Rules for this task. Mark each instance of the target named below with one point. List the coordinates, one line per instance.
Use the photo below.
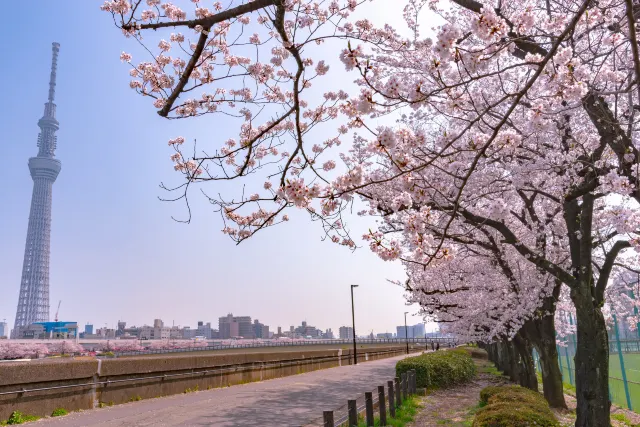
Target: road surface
(290, 401)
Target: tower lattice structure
(33, 302)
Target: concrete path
(282, 402)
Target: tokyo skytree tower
(33, 303)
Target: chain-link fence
(624, 366)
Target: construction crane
(58, 310)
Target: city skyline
(289, 327)
(116, 251)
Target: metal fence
(442, 341)
(624, 367)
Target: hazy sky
(116, 252)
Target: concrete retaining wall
(75, 384)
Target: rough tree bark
(514, 362)
(524, 348)
(542, 333)
(592, 361)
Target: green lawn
(616, 385)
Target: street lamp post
(406, 335)
(353, 319)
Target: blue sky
(116, 252)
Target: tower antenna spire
(55, 47)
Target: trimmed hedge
(475, 352)
(439, 369)
(513, 406)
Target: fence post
(353, 413)
(404, 384)
(414, 382)
(392, 400)
(368, 403)
(560, 362)
(566, 355)
(327, 417)
(398, 392)
(382, 406)
(624, 372)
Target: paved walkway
(283, 402)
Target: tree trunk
(542, 333)
(551, 374)
(592, 361)
(528, 376)
(503, 358)
(514, 362)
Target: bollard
(398, 392)
(327, 417)
(392, 400)
(382, 406)
(353, 413)
(368, 402)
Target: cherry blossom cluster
(11, 350)
(254, 62)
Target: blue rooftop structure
(69, 329)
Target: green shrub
(513, 406)
(475, 352)
(19, 418)
(512, 393)
(439, 369)
(487, 392)
(513, 415)
(59, 412)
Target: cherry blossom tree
(65, 347)
(520, 110)
(485, 295)
(520, 126)
(12, 350)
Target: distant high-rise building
(260, 330)
(308, 331)
(414, 331)
(121, 328)
(345, 332)
(88, 329)
(231, 326)
(206, 331)
(158, 323)
(4, 331)
(33, 300)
